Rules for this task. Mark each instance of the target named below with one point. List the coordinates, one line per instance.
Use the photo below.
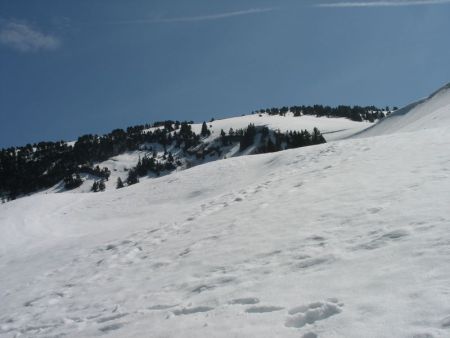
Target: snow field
(337, 240)
(344, 239)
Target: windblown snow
(345, 239)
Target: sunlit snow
(346, 239)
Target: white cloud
(24, 38)
(382, 3)
(210, 17)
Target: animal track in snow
(309, 314)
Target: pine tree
(317, 137)
(101, 186)
(132, 177)
(94, 187)
(170, 158)
(248, 137)
(119, 183)
(205, 131)
(223, 138)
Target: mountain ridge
(429, 112)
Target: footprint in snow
(310, 335)
(384, 239)
(158, 307)
(445, 323)
(110, 318)
(374, 210)
(111, 327)
(313, 312)
(422, 335)
(192, 310)
(263, 309)
(184, 252)
(244, 301)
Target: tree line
(33, 167)
(354, 113)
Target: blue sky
(73, 67)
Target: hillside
(331, 128)
(122, 157)
(431, 112)
(343, 239)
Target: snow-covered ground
(331, 128)
(431, 112)
(345, 239)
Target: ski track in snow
(345, 239)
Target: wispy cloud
(210, 17)
(382, 3)
(23, 37)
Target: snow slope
(331, 128)
(345, 239)
(431, 112)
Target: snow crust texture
(345, 239)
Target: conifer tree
(132, 177)
(317, 137)
(205, 131)
(223, 138)
(72, 181)
(119, 183)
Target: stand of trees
(98, 186)
(271, 141)
(103, 173)
(72, 181)
(30, 168)
(355, 113)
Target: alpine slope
(344, 239)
